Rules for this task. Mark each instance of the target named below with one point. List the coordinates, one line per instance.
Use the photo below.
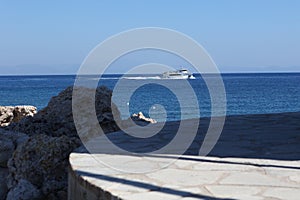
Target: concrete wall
(80, 189)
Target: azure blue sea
(247, 93)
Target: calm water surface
(246, 94)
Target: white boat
(178, 74)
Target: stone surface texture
(36, 149)
(191, 177)
(10, 114)
(3, 186)
(24, 190)
(8, 143)
(256, 157)
(42, 161)
(57, 118)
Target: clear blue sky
(49, 37)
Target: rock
(6, 149)
(42, 163)
(60, 195)
(9, 114)
(42, 159)
(57, 118)
(16, 137)
(137, 119)
(8, 142)
(23, 111)
(3, 186)
(24, 190)
(140, 117)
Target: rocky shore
(11, 114)
(35, 147)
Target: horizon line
(236, 72)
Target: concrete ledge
(81, 189)
(256, 157)
(190, 177)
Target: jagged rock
(16, 137)
(140, 117)
(6, 149)
(57, 118)
(3, 186)
(9, 114)
(8, 142)
(41, 161)
(24, 190)
(137, 119)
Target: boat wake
(142, 77)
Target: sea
(246, 93)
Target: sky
(54, 37)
